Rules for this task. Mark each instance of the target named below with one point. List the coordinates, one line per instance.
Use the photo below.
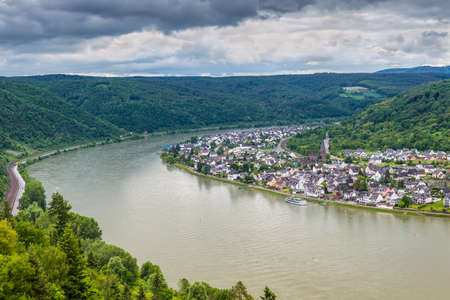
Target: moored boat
(296, 201)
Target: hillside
(422, 69)
(40, 119)
(152, 104)
(419, 118)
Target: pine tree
(92, 261)
(39, 281)
(158, 285)
(60, 208)
(76, 285)
(239, 292)
(268, 294)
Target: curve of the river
(206, 230)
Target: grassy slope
(418, 118)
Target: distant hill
(419, 118)
(154, 104)
(422, 69)
(40, 119)
(45, 111)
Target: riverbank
(329, 202)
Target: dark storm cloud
(25, 21)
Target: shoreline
(411, 212)
(43, 155)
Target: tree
(348, 160)
(126, 293)
(85, 227)
(5, 213)
(148, 269)
(16, 276)
(158, 285)
(117, 268)
(34, 193)
(32, 212)
(325, 187)
(76, 285)
(360, 184)
(54, 262)
(239, 292)
(404, 202)
(92, 261)
(103, 253)
(141, 294)
(401, 184)
(30, 234)
(268, 294)
(197, 291)
(59, 208)
(39, 280)
(8, 238)
(387, 176)
(183, 285)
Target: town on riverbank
(393, 179)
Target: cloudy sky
(220, 37)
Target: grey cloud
(431, 43)
(25, 21)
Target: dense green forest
(53, 253)
(418, 118)
(3, 176)
(38, 118)
(153, 104)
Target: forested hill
(419, 118)
(38, 118)
(152, 104)
(422, 69)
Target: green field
(361, 94)
(436, 206)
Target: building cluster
(397, 155)
(257, 157)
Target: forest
(91, 107)
(416, 119)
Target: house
(350, 196)
(438, 174)
(311, 191)
(393, 198)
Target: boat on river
(296, 201)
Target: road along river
(16, 188)
(206, 230)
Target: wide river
(206, 230)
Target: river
(206, 230)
